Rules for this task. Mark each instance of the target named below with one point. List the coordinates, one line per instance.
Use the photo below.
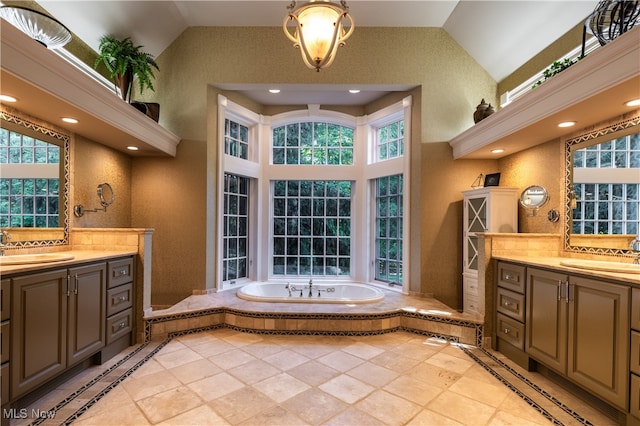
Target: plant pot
(151, 109)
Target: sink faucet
(635, 246)
(5, 239)
(311, 287)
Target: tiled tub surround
(395, 312)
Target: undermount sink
(25, 259)
(600, 265)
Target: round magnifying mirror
(106, 195)
(533, 197)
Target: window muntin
(611, 204)
(311, 228)
(313, 143)
(390, 141)
(236, 139)
(235, 227)
(388, 229)
(29, 201)
(623, 152)
(606, 208)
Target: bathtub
(321, 293)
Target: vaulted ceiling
(501, 35)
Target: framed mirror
(34, 186)
(602, 188)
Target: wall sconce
(318, 30)
(573, 202)
(106, 197)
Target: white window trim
(259, 167)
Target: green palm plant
(126, 61)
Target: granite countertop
(554, 263)
(79, 256)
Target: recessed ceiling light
(274, 90)
(567, 124)
(132, 148)
(633, 103)
(497, 151)
(354, 90)
(70, 120)
(7, 98)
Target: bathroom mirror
(34, 186)
(533, 197)
(602, 188)
(106, 196)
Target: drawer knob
(507, 331)
(506, 303)
(508, 277)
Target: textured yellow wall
(452, 82)
(541, 165)
(170, 196)
(91, 165)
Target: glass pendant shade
(42, 28)
(318, 31)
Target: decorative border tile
(337, 324)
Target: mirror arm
(79, 210)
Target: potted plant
(126, 61)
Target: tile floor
(227, 377)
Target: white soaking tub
(320, 293)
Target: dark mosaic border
(537, 388)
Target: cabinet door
(598, 355)
(38, 329)
(546, 319)
(475, 220)
(87, 311)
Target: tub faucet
(288, 287)
(311, 287)
(5, 239)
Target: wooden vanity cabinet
(5, 336)
(580, 328)
(57, 320)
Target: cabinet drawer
(511, 304)
(4, 379)
(510, 331)
(4, 339)
(120, 272)
(511, 276)
(634, 405)
(5, 298)
(470, 303)
(634, 365)
(119, 299)
(470, 285)
(119, 325)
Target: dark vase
(480, 110)
(124, 82)
(151, 109)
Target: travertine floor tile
(216, 386)
(315, 406)
(347, 388)
(281, 387)
(165, 405)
